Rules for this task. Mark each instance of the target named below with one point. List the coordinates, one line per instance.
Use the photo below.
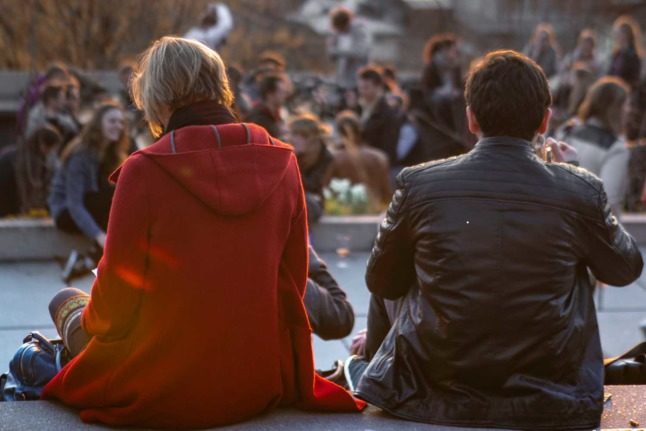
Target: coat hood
(230, 168)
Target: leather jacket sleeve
(331, 315)
(391, 269)
(613, 255)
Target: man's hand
(559, 152)
(359, 343)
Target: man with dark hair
(482, 311)
(348, 46)
(274, 91)
(47, 111)
(379, 122)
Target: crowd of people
(460, 331)
(360, 125)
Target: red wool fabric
(197, 315)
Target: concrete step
(625, 405)
(38, 239)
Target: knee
(61, 297)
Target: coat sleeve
(613, 255)
(329, 312)
(391, 268)
(119, 287)
(295, 254)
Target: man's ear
(474, 126)
(545, 122)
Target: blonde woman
(196, 318)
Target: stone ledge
(38, 239)
(626, 404)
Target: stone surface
(626, 404)
(27, 287)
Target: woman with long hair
(360, 163)
(598, 139)
(543, 49)
(196, 318)
(627, 52)
(81, 194)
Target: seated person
(308, 134)
(200, 287)
(360, 163)
(26, 171)
(482, 311)
(81, 194)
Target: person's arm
(612, 254)
(121, 278)
(77, 184)
(214, 35)
(391, 269)
(331, 315)
(295, 254)
(614, 173)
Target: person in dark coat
(274, 91)
(626, 55)
(482, 312)
(26, 171)
(379, 122)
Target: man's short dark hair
(341, 17)
(371, 73)
(269, 84)
(508, 94)
(51, 92)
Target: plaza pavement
(26, 288)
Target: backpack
(35, 363)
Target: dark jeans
(381, 315)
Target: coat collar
(199, 114)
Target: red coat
(197, 311)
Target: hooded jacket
(196, 314)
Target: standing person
(488, 318)
(584, 54)
(274, 91)
(627, 52)
(215, 26)
(598, 140)
(214, 309)
(442, 83)
(348, 46)
(379, 122)
(542, 48)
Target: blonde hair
(175, 72)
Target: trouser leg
(65, 309)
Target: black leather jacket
(489, 253)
